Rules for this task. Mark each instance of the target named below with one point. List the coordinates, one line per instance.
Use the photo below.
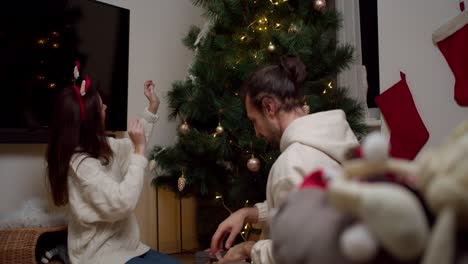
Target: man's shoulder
(294, 153)
(296, 149)
(299, 155)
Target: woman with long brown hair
(99, 178)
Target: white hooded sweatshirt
(103, 228)
(308, 143)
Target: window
(370, 47)
(360, 29)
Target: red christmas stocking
(452, 40)
(408, 134)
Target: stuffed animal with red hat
(374, 209)
(335, 218)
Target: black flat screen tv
(39, 44)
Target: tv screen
(39, 44)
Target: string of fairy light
(247, 228)
(263, 23)
(52, 40)
(253, 163)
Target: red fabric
(455, 50)
(462, 6)
(408, 134)
(80, 102)
(314, 180)
(87, 83)
(358, 152)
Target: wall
(156, 52)
(405, 43)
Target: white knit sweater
(102, 226)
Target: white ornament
(152, 165)
(160, 151)
(192, 78)
(205, 29)
(203, 32)
(83, 88)
(76, 73)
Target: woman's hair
(69, 133)
(282, 81)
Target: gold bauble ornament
(181, 182)
(184, 128)
(277, 2)
(253, 164)
(320, 4)
(271, 47)
(219, 129)
(243, 38)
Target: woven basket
(18, 246)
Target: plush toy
(392, 214)
(443, 180)
(306, 229)
(378, 204)
(441, 176)
(59, 252)
(350, 221)
(374, 210)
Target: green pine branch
(237, 43)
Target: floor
(187, 258)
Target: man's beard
(274, 139)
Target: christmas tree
(217, 156)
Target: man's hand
(232, 226)
(238, 252)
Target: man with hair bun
(273, 100)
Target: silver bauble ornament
(184, 128)
(253, 164)
(320, 4)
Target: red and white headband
(82, 90)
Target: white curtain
(354, 79)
